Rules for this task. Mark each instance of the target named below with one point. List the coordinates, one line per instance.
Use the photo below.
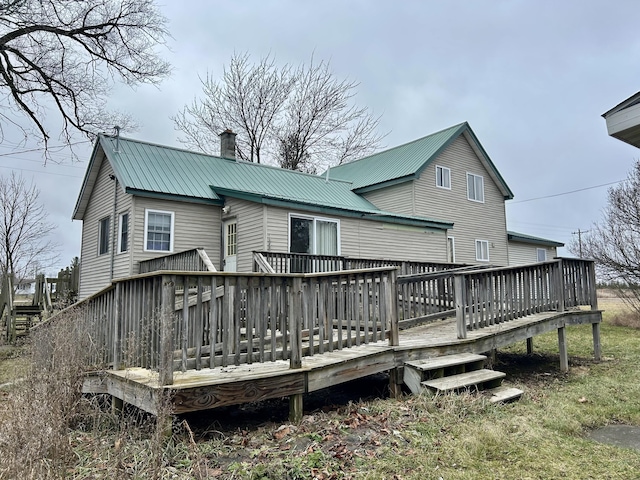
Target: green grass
(542, 436)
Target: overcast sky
(532, 78)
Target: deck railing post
(167, 314)
(592, 284)
(392, 307)
(560, 287)
(459, 289)
(295, 324)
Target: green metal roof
(406, 162)
(164, 172)
(521, 237)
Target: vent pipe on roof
(117, 129)
(228, 144)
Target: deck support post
(117, 405)
(296, 409)
(395, 383)
(529, 345)
(597, 352)
(562, 346)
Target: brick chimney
(228, 144)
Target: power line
(579, 233)
(565, 193)
(41, 171)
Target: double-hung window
(443, 177)
(482, 250)
(123, 232)
(103, 236)
(475, 187)
(158, 231)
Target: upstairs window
(482, 250)
(123, 233)
(103, 236)
(158, 231)
(443, 177)
(475, 187)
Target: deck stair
(456, 373)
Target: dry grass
(51, 431)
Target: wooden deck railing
(490, 296)
(275, 262)
(170, 321)
(194, 260)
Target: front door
(230, 247)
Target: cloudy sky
(532, 78)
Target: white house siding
(122, 266)
(195, 226)
(365, 238)
(472, 220)
(95, 270)
(251, 221)
(523, 253)
(397, 198)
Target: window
(451, 250)
(313, 235)
(542, 254)
(482, 250)
(232, 239)
(443, 177)
(475, 187)
(123, 233)
(103, 236)
(158, 231)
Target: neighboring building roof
(623, 120)
(406, 162)
(151, 170)
(522, 238)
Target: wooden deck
(207, 388)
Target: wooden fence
(171, 321)
(495, 295)
(194, 260)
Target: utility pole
(579, 233)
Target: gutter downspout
(114, 236)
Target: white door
(230, 247)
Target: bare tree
(68, 54)
(301, 119)
(247, 100)
(25, 232)
(614, 242)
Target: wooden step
(476, 378)
(418, 371)
(503, 394)
(446, 361)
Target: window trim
(314, 219)
(120, 223)
(474, 176)
(451, 239)
(107, 239)
(480, 242)
(440, 167)
(538, 250)
(147, 211)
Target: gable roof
(406, 162)
(523, 238)
(151, 170)
(629, 102)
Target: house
(623, 120)
(525, 249)
(436, 199)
